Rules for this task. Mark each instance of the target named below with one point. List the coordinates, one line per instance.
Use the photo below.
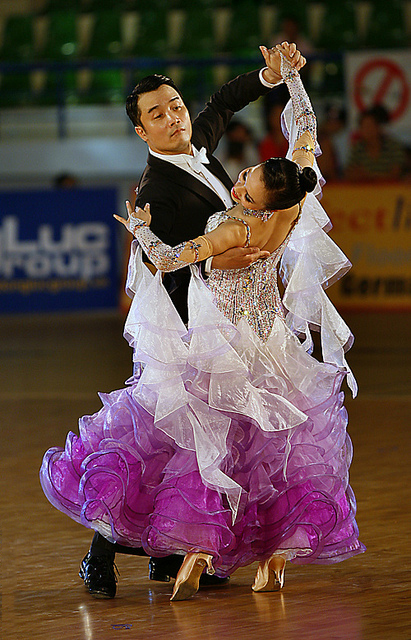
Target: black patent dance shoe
(162, 569)
(99, 575)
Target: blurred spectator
(375, 156)
(274, 145)
(332, 136)
(290, 30)
(240, 149)
(65, 181)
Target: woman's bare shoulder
(218, 218)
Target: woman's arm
(303, 152)
(231, 233)
(303, 112)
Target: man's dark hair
(147, 84)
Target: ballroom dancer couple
(229, 443)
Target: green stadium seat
(59, 88)
(15, 90)
(61, 40)
(386, 25)
(152, 34)
(18, 46)
(325, 77)
(196, 83)
(198, 33)
(197, 41)
(151, 42)
(18, 39)
(243, 35)
(106, 35)
(244, 31)
(61, 45)
(107, 85)
(338, 26)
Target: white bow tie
(199, 158)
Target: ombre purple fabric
(222, 443)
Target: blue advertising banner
(58, 250)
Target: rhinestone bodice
(252, 292)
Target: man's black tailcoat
(180, 205)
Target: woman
(230, 444)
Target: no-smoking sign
(383, 81)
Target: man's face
(166, 124)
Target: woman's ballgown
(230, 438)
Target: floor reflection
(292, 618)
(86, 621)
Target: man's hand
(238, 258)
(273, 60)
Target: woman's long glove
(303, 111)
(166, 258)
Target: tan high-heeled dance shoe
(188, 577)
(270, 574)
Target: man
(184, 184)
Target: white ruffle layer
(310, 263)
(195, 381)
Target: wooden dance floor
(52, 368)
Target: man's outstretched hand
(272, 59)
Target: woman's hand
(134, 217)
(272, 59)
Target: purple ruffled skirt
(223, 444)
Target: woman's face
(249, 190)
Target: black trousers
(100, 547)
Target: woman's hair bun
(308, 179)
